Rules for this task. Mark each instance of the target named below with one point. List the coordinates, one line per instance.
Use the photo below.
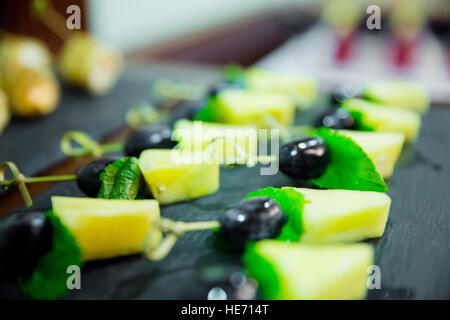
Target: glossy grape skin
(336, 118)
(186, 109)
(88, 177)
(305, 158)
(155, 136)
(253, 219)
(25, 237)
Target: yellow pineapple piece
(255, 108)
(177, 175)
(302, 89)
(292, 271)
(383, 148)
(404, 95)
(228, 144)
(109, 228)
(386, 119)
(343, 215)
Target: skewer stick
(46, 13)
(88, 146)
(20, 180)
(175, 230)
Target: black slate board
(413, 254)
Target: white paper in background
(312, 53)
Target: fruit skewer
(89, 229)
(393, 94)
(301, 90)
(330, 159)
(238, 140)
(361, 115)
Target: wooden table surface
(413, 254)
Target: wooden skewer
(46, 13)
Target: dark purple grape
(305, 158)
(155, 136)
(335, 118)
(253, 219)
(186, 109)
(25, 238)
(88, 177)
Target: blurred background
(413, 41)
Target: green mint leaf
(49, 278)
(208, 113)
(350, 167)
(262, 271)
(121, 180)
(360, 122)
(291, 202)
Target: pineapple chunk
(255, 108)
(386, 119)
(303, 89)
(177, 175)
(228, 144)
(109, 228)
(292, 271)
(343, 215)
(404, 95)
(383, 148)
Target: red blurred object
(403, 51)
(345, 47)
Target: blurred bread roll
(87, 63)
(23, 52)
(4, 111)
(27, 78)
(31, 92)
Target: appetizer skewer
(381, 118)
(330, 159)
(302, 91)
(240, 143)
(89, 229)
(398, 94)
